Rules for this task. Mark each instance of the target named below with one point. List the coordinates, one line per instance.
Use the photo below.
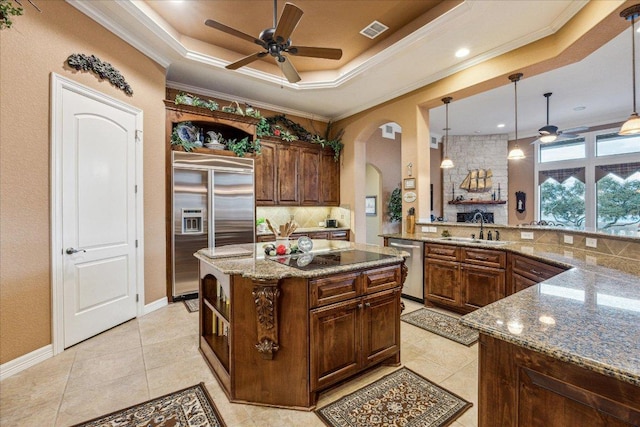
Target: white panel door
(98, 216)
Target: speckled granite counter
(588, 315)
(254, 265)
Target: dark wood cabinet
(329, 235)
(442, 282)
(360, 331)
(329, 179)
(519, 387)
(265, 173)
(280, 342)
(525, 272)
(288, 162)
(310, 170)
(462, 278)
(296, 174)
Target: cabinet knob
(359, 305)
(537, 273)
(367, 304)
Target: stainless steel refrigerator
(213, 205)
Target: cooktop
(309, 261)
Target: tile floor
(157, 354)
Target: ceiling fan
(550, 133)
(276, 42)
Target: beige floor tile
(176, 324)
(38, 415)
(122, 337)
(178, 375)
(89, 373)
(88, 403)
(25, 390)
(167, 352)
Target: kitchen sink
(474, 241)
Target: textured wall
(476, 152)
(37, 45)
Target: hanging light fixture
(632, 125)
(446, 161)
(516, 153)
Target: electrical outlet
(568, 239)
(428, 229)
(591, 243)
(526, 235)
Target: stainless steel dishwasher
(414, 286)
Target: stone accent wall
(476, 152)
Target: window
(590, 183)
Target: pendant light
(632, 125)
(516, 153)
(446, 161)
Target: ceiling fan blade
(578, 129)
(568, 135)
(548, 130)
(288, 70)
(315, 52)
(244, 61)
(288, 21)
(232, 31)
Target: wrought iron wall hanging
(103, 69)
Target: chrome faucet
(475, 219)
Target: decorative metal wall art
(104, 70)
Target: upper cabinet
(296, 174)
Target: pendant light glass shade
(516, 153)
(632, 125)
(447, 163)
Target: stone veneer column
(476, 152)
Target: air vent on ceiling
(374, 29)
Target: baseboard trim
(157, 304)
(28, 360)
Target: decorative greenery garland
(278, 126)
(104, 70)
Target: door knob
(71, 251)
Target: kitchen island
(278, 330)
(565, 351)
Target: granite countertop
(588, 315)
(249, 260)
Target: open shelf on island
(477, 202)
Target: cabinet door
(329, 179)
(442, 284)
(481, 285)
(519, 283)
(265, 175)
(381, 326)
(309, 179)
(336, 340)
(287, 172)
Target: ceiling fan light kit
(516, 153)
(632, 125)
(276, 42)
(447, 163)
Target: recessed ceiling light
(461, 53)
(501, 125)
(579, 108)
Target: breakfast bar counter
(278, 330)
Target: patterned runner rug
(191, 407)
(441, 324)
(192, 305)
(402, 398)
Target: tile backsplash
(305, 216)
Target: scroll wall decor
(103, 69)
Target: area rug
(192, 305)
(190, 407)
(441, 324)
(402, 398)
